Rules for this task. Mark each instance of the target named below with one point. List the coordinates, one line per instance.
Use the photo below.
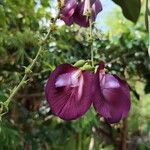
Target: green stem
(15, 90)
(30, 67)
(91, 43)
(79, 141)
(80, 135)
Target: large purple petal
(96, 8)
(68, 10)
(112, 97)
(69, 91)
(126, 91)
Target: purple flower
(80, 17)
(76, 12)
(68, 11)
(69, 91)
(112, 96)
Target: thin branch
(37, 95)
(122, 57)
(124, 134)
(30, 67)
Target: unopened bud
(80, 63)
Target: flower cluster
(80, 12)
(70, 91)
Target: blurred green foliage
(30, 124)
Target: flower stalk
(91, 43)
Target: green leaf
(130, 8)
(45, 3)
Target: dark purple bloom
(74, 11)
(80, 13)
(69, 91)
(112, 96)
(68, 11)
